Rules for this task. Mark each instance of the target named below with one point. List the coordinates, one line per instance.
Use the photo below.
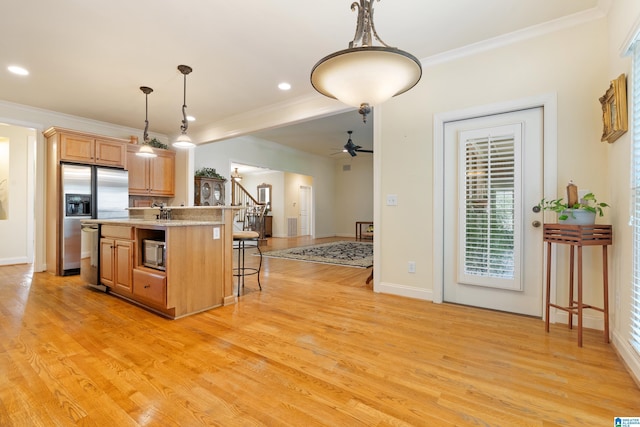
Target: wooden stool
(578, 236)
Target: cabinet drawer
(117, 231)
(150, 286)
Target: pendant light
(236, 176)
(145, 149)
(183, 140)
(365, 75)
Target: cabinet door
(123, 265)
(106, 262)
(110, 153)
(76, 148)
(162, 174)
(138, 174)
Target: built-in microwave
(155, 254)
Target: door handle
(536, 223)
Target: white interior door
(493, 248)
(305, 209)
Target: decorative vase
(578, 217)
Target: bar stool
(578, 236)
(243, 240)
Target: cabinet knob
(147, 286)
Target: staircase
(251, 214)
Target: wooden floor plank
(315, 347)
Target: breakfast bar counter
(174, 267)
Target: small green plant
(587, 203)
(154, 142)
(209, 173)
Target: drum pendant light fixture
(145, 149)
(365, 75)
(183, 140)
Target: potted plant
(209, 173)
(582, 213)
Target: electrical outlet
(216, 233)
(412, 266)
(392, 200)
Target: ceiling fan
(352, 148)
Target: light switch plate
(216, 233)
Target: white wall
(17, 166)
(353, 192)
(568, 63)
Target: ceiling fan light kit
(352, 148)
(145, 149)
(183, 140)
(365, 75)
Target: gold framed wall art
(614, 110)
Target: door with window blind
(493, 245)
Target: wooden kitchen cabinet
(150, 286)
(79, 147)
(153, 176)
(71, 146)
(116, 258)
(116, 263)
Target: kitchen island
(195, 272)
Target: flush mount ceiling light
(183, 140)
(365, 75)
(145, 149)
(15, 69)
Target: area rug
(350, 254)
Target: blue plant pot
(578, 217)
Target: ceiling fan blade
(361, 150)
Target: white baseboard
(404, 291)
(12, 261)
(590, 319)
(629, 356)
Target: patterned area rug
(351, 254)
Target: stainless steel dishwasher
(90, 255)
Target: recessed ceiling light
(18, 70)
(191, 118)
(284, 86)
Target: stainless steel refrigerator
(88, 192)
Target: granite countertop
(140, 222)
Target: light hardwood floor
(315, 347)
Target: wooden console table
(359, 234)
(578, 236)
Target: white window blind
(489, 207)
(635, 105)
(490, 199)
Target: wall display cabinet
(208, 191)
(153, 176)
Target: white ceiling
(89, 58)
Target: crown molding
(41, 119)
(593, 14)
